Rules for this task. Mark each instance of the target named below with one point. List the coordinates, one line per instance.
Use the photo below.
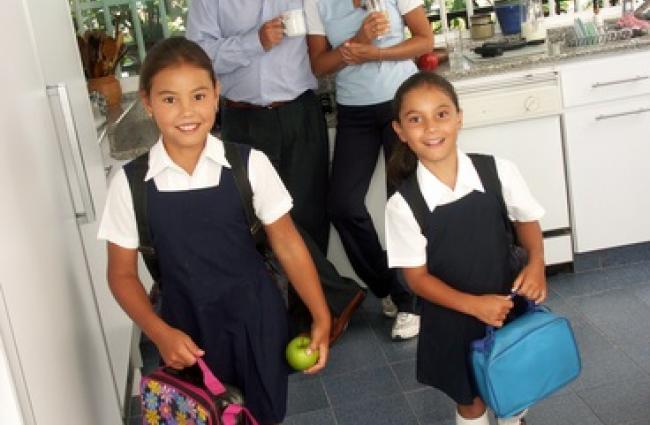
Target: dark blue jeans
(360, 133)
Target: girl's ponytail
(401, 164)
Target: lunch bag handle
(485, 344)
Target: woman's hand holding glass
(374, 25)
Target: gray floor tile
(588, 261)
(395, 351)
(431, 405)
(317, 417)
(626, 255)
(565, 409)
(393, 410)
(305, 396)
(620, 402)
(595, 282)
(357, 349)
(361, 386)
(602, 362)
(405, 373)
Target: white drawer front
(502, 106)
(604, 79)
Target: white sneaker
(388, 307)
(406, 326)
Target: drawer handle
(622, 114)
(627, 80)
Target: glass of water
(454, 41)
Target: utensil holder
(109, 87)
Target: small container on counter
(482, 26)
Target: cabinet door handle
(73, 159)
(622, 114)
(624, 81)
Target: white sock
(482, 420)
(513, 420)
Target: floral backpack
(192, 396)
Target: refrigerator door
(57, 50)
(62, 357)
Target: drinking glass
(454, 40)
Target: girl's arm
(421, 41)
(491, 308)
(176, 348)
(531, 282)
(290, 249)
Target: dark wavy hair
(403, 161)
(173, 51)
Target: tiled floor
(371, 380)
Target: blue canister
(509, 16)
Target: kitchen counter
(523, 62)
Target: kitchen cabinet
(607, 153)
(607, 128)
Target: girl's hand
(492, 309)
(320, 335)
(531, 282)
(357, 53)
(372, 27)
(177, 349)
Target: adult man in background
(269, 103)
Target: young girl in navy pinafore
(467, 247)
(215, 288)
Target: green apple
(297, 355)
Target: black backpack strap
(486, 168)
(136, 171)
(235, 155)
(410, 191)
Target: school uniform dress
(464, 243)
(215, 286)
(364, 93)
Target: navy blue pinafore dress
(468, 249)
(215, 287)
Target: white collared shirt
(405, 243)
(271, 200)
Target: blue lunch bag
(525, 361)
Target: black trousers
(294, 137)
(361, 132)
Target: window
(143, 23)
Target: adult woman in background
(371, 58)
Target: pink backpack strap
(230, 415)
(211, 382)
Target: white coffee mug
(293, 22)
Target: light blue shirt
(228, 31)
(371, 82)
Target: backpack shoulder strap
(235, 155)
(136, 171)
(410, 191)
(486, 168)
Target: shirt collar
(433, 190)
(159, 159)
